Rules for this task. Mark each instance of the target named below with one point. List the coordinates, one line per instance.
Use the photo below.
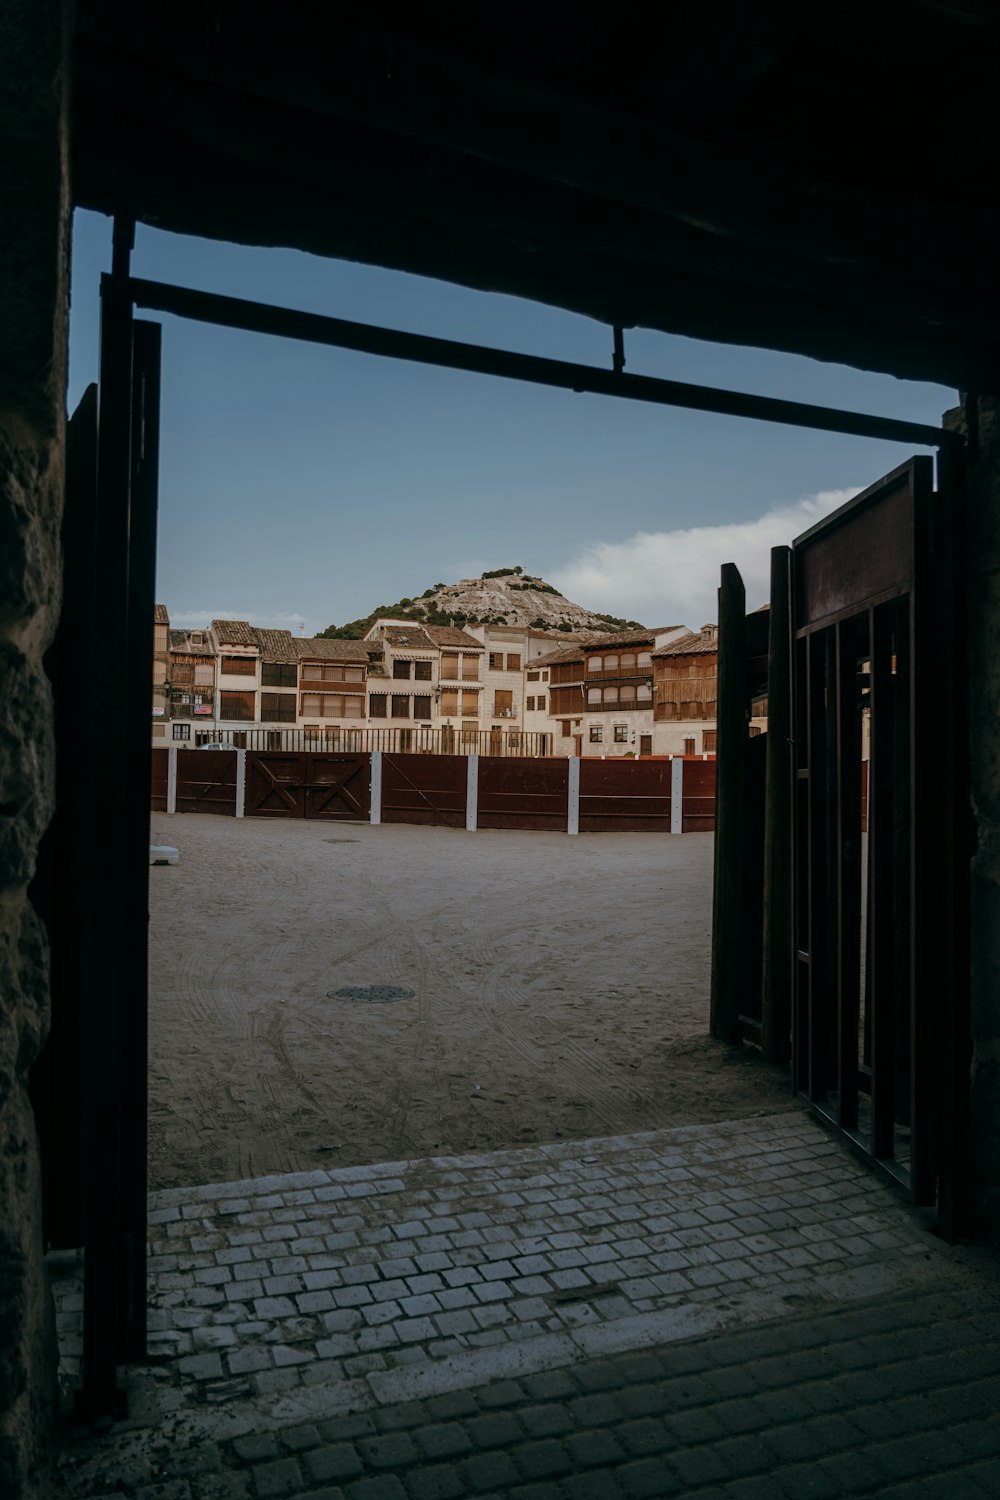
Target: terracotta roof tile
(276, 645)
(160, 616)
(181, 642)
(322, 648)
(451, 635)
(631, 637)
(702, 642)
(413, 636)
(565, 653)
(233, 633)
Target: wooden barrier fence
(571, 795)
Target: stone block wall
(34, 210)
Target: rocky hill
(505, 596)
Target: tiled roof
(160, 616)
(180, 641)
(451, 635)
(276, 645)
(412, 636)
(702, 642)
(565, 653)
(233, 633)
(322, 648)
(631, 637)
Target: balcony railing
(457, 741)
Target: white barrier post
(172, 779)
(375, 816)
(241, 782)
(472, 794)
(573, 797)
(677, 795)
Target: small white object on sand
(163, 854)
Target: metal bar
(102, 1310)
(364, 338)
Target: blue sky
(301, 484)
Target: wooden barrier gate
(306, 784)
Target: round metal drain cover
(378, 994)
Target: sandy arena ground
(561, 990)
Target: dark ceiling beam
(729, 190)
(736, 48)
(152, 175)
(331, 157)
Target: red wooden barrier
(425, 789)
(624, 796)
(523, 793)
(158, 781)
(699, 796)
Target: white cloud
(669, 577)
(195, 618)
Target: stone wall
(984, 631)
(34, 210)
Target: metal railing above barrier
(395, 741)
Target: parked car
(215, 745)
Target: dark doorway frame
(127, 465)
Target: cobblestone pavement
(735, 1310)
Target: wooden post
(677, 794)
(779, 958)
(241, 783)
(472, 794)
(727, 903)
(172, 779)
(573, 796)
(375, 810)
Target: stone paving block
(380, 1487)
(647, 1477)
(488, 1471)
(434, 1482)
(600, 1485)
(276, 1480)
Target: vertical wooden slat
(727, 904)
(822, 830)
(776, 985)
(145, 456)
(881, 942)
(848, 869)
(950, 564)
(103, 1310)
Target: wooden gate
(206, 781)
(308, 784)
(879, 1026)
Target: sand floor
(560, 986)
